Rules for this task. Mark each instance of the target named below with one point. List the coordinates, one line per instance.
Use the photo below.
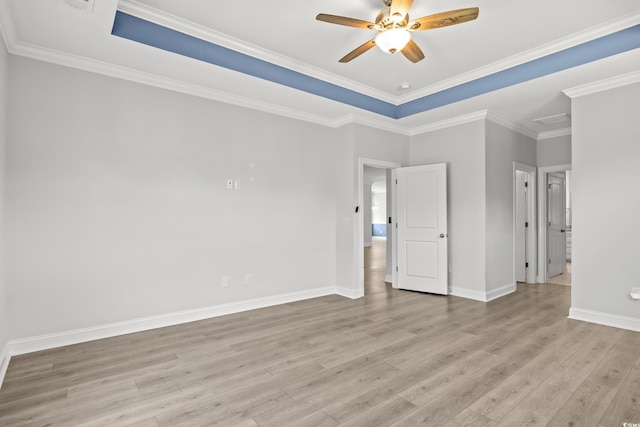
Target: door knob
(442, 235)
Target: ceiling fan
(394, 28)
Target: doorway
(388, 241)
(554, 220)
(375, 213)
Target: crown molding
(504, 122)
(136, 76)
(173, 22)
(602, 85)
(554, 133)
(455, 121)
(7, 29)
(604, 29)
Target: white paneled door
(421, 209)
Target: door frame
(531, 233)
(543, 218)
(359, 247)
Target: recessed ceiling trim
(155, 35)
(527, 56)
(168, 20)
(146, 32)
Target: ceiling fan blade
(343, 20)
(358, 51)
(443, 19)
(400, 6)
(413, 52)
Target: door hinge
(526, 224)
(396, 225)
(549, 260)
(549, 186)
(526, 184)
(396, 182)
(396, 268)
(526, 265)
(389, 220)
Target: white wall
(606, 205)
(554, 151)
(503, 147)
(462, 148)
(4, 318)
(116, 206)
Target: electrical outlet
(635, 293)
(224, 282)
(248, 279)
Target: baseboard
(367, 245)
(469, 294)
(45, 342)
(5, 357)
(483, 296)
(501, 291)
(348, 292)
(607, 319)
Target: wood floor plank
(391, 358)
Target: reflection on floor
(375, 266)
(562, 279)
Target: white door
(421, 201)
(556, 235)
(520, 226)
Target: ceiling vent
(552, 120)
(81, 5)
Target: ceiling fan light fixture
(393, 40)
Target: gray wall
(462, 148)
(116, 206)
(4, 318)
(606, 201)
(554, 151)
(503, 147)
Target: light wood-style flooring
(375, 266)
(393, 358)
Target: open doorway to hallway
(376, 211)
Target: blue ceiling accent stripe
(584, 53)
(142, 31)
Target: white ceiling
(506, 33)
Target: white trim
(542, 217)
(602, 85)
(607, 319)
(447, 123)
(388, 278)
(469, 294)
(500, 292)
(347, 292)
(359, 233)
(59, 339)
(554, 133)
(5, 358)
(531, 250)
(541, 51)
(504, 122)
(483, 296)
